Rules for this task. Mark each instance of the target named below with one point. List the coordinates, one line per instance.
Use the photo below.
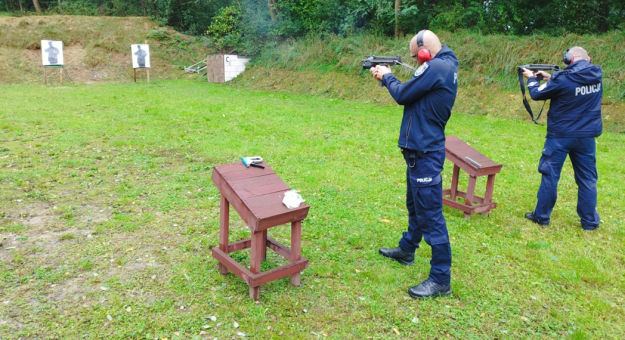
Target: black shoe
(429, 288)
(399, 255)
(530, 216)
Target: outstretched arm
(423, 81)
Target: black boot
(530, 216)
(429, 288)
(399, 255)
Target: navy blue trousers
(581, 151)
(424, 200)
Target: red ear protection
(568, 57)
(424, 54)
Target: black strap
(525, 102)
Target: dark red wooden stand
(475, 164)
(256, 194)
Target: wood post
(45, 76)
(296, 248)
(263, 255)
(135, 71)
(468, 200)
(259, 246)
(61, 68)
(454, 183)
(488, 196)
(224, 223)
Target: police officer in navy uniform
(427, 99)
(573, 123)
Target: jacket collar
(577, 65)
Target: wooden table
(475, 164)
(256, 195)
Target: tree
(397, 7)
(272, 8)
(37, 7)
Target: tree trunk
(37, 7)
(604, 14)
(397, 6)
(273, 16)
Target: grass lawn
(108, 214)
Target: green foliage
(159, 34)
(247, 24)
(225, 31)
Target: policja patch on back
(421, 69)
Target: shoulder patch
(542, 87)
(421, 69)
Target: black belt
(419, 154)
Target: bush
(225, 32)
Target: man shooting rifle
(374, 61)
(573, 123)
(427, 98)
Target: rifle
(374, 61)
(534, 68)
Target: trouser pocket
(545, 166)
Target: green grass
(125, 170)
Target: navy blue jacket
(575, 93)
(427, 98)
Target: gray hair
(578, 53)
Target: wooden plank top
(469, 159)
(256, 194)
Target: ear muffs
(567, 58)
(424, 54)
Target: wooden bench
(256, 194)
(475, 164)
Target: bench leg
(296, 248)
(454, 183)
(224, 223)
(468, 201)
(258, 246)
(488, 196)
(254, 293)
(264, 252)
